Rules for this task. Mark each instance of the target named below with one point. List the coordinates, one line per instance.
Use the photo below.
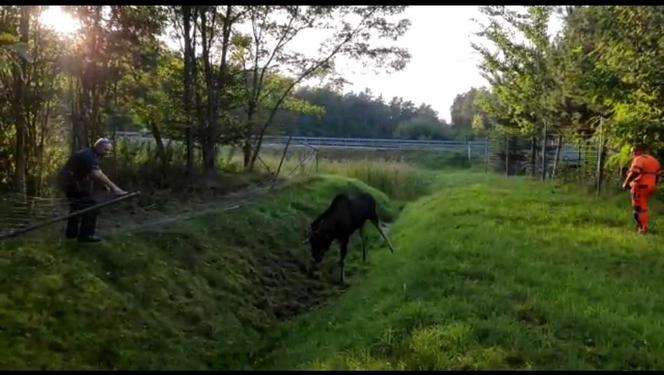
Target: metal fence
(582, 162)
(508, 154)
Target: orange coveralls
(643, 187)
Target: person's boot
(92, 238)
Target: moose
(340, 220)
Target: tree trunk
(189, 60)
(87, 120)
(256, 85)
(533, 156)
(206, 142)
(507, 155)
(215, 85)
(161, 151)
(209, 152)
(246, 148)
(32, 112)
(544, 161)
(556, 161)
(94, 121)
(600, 158)
(198, 105)
(78, 130)
(40, 149)
(81, 117)
(114, 135)
(21, 155)
(222, 80)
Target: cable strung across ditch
(230, 202)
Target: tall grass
(398, 180)
(401, 177)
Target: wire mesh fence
(582, 162)
(19, 212)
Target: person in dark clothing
(74, 180)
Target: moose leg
(343, 246)
(377, 225)
(364, 247)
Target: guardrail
(568, 152)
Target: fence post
(600, 156)
(486, 154)
(316, 161)
(281, 162)
(580, 162)
(507, 155)
(533, 156)
(469, 155)
(544, 153)
(115, 149)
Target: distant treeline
(363, 115)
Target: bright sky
(442, 64)
(54, 17)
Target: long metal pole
(73, 214)
(486, 154)
(281, 162)
(600, 157)
(544, 161)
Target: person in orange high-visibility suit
(641, 180)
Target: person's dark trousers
(78, 200)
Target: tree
(482, 122)
(189, 61)
(632, 56)
(352, 32)
(215, 26)
(152, 93)
(520, 73)
(463, 111)
(18, 106)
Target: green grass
(495, 273)
(199, 293)
(489, 273)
